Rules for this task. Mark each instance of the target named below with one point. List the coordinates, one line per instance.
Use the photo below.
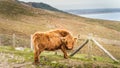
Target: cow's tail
(34, 40)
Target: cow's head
(69, 42)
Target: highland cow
(52, 40)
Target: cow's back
(47, 40)
(60, 33)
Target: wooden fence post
(90, 46)
(0, 40)
(31, 42)
(100, 46)
(14, 40)
(81, 46)
(89, 50)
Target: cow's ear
(75, 39)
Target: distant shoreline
(114, 16)
(94, 11)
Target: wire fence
(90, 50)
(14, 40)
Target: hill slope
(24, 20)
(42, 6)
(12, 8)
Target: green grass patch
(50, 59)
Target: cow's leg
(38, 50)
(36, 57)
(36, 54)
(64, 51)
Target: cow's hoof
(36, 63)
(66, 57)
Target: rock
(19, 48)
(53, 62)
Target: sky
(79, 4)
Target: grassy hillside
(12, 58)
(24, 20)
(12, 8)
(109, 24)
